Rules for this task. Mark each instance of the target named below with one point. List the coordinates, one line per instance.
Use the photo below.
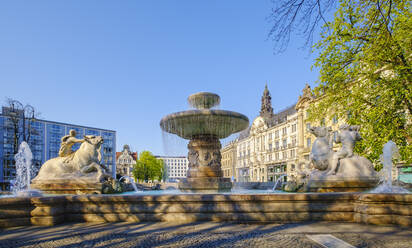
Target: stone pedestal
(68, 186)
(204, 173)
(354, 174)
(205, 184)
(341, 185)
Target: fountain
(341, 171)
(204, 127)
(131, 180)
(390, 151)
(24, 171)
(278, 181)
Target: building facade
(228, 162)
(267, 150)
(305, 138)
(125, 160)
(45, 143)
(278, 144)
(176, 167)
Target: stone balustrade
(272, 208)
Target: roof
(282, 115)
(277, 118)
(134, 155)
(244, 134)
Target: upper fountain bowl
(203, 100)
(209, 122)
(204, 121)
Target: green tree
(148, 167)
(365, 72)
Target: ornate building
(268, 148)
(125, 160)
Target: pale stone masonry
(377, 209)
(267, 149)
(228, 161)
(306, 139)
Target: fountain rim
(243, 120)
(203, 112)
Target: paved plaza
(204, 235)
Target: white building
(268, 148)
(176, 167)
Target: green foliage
(365, 72)
(148, 167)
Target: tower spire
(266, 109)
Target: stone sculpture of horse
(82, 164)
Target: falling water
(390, 150)
(23, 160)
(173, 145)
(131, 180)
(24, 171)
(278, 181)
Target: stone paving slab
(207, 234)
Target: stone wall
(253, 185)
(282, 208)
(15, 211)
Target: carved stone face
(204, 157)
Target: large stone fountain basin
(193, 123)
(247, 208)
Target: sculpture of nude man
(67, 142)
(348, 136)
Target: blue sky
(123, 65)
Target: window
(293, 128)
(284, 131)
(294, 140)
(277, 145)
(277, 134)
(284, 143)
(270, 147)
(307, 126)
(284, 155)
(270, 136)
(308, 142)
